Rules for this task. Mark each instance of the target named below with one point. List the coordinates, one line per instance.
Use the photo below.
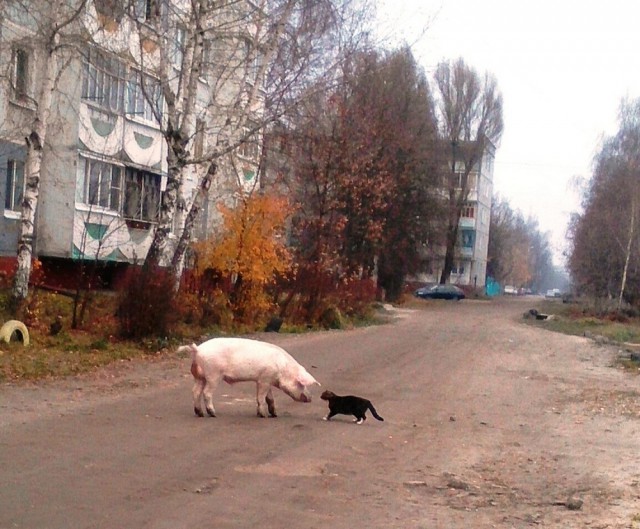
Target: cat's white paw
(359, 421)
(325, 418)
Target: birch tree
(469, 109)
(605, 258)
(241, 66)
(48, 25)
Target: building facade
(470, 264)
(104, 166)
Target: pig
(242, 360)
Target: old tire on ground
(14, 326)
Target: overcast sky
(563, 67)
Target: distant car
(510, 290)
(440, 292)
(553, 293)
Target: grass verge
(579, 320)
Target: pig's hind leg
(198, 387)
(209, 387)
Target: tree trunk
(180, 108)
(35, 144)
(632, 222)
(451, 237)
(177, 261)
(176, 159)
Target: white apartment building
(470, 264)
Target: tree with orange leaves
(251, 251)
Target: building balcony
(466, 252)
(466, 222)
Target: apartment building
(470, 264)
(105, 158)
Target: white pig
(242, 360)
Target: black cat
(348, 405)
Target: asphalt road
(488, 423)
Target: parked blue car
(440, 292)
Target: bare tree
(518, 252)
(469, 109)
(241, 67)
(605, 258)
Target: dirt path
(488, 423)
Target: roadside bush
(331, 318)
(204, 307)
(355, 296)
(146, 304)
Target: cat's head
(326, 394)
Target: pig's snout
(305, 398)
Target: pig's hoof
(211, 412)
(198, 412)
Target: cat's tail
(374, 412)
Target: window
(468, 238)
(15, 185)
(112, 9)
(177, 53)
(205, 58)
(253, 59)
(144, 97)
(459, 179)
(102, 184)
(198, 141)
(20, 72)
(145, 10)
(473, 181)
(468, 212)
(103, 82)
(249, 148)
(142, 195)
(203, 221)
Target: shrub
(331, 318)
(247, 256)
(146, 306)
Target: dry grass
(70, 351)
(579, 319)
(97, 343)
